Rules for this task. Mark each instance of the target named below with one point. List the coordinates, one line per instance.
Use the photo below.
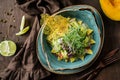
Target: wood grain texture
(112, 37)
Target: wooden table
(11, 14)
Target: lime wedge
(22, 23)
(23, 31)
(7, 48)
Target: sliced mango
(89, 31)
(82, 57)
(89, 51)
(92, 41)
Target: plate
(77, 68)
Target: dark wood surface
(12, 14)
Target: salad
(70, 39)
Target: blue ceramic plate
(91, 17)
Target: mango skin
(111, 9)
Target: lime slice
(7, 48)
(23, 31)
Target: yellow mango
(111, 9)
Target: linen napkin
(25, 64)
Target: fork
(107, 60)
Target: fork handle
(83, 77)
(94, 74)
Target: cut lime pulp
(7, 48)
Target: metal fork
(107, 60)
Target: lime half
(7, 48)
